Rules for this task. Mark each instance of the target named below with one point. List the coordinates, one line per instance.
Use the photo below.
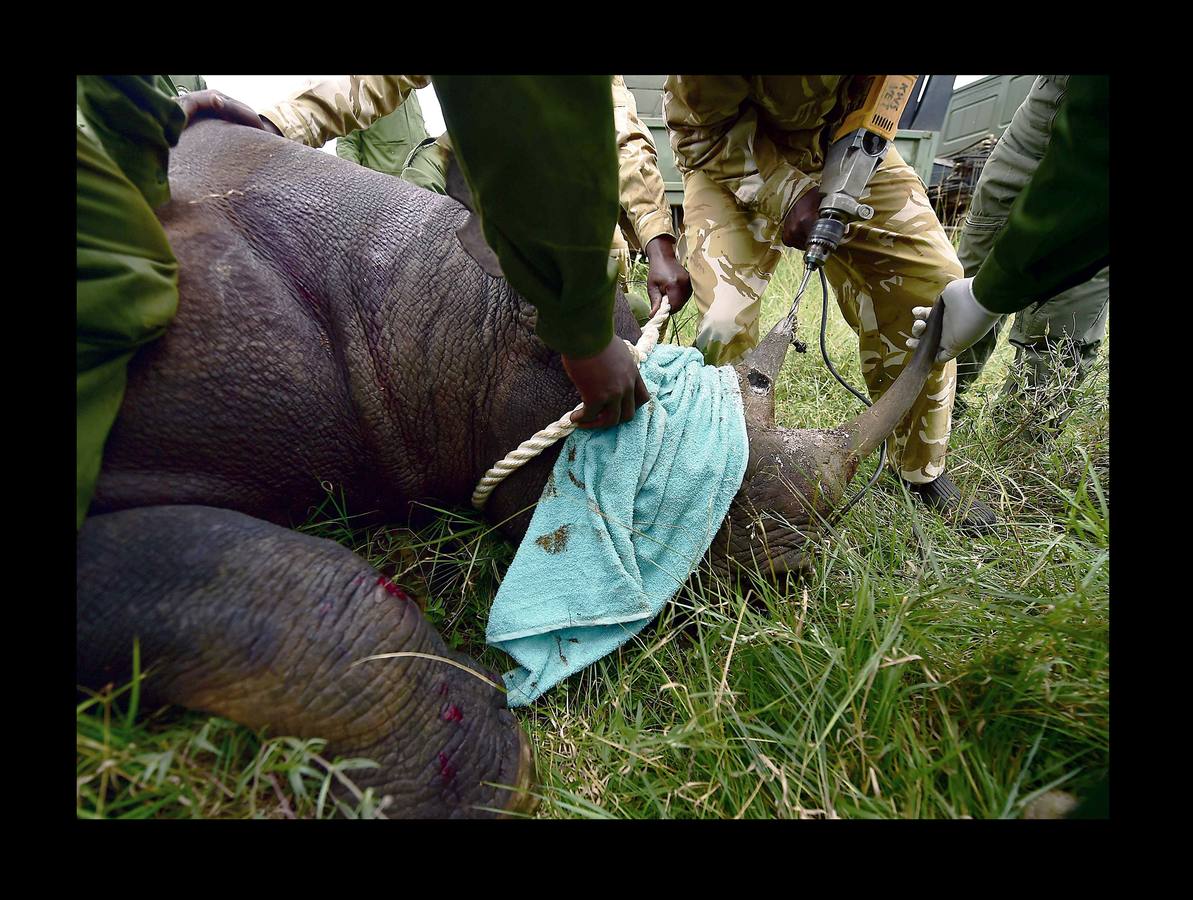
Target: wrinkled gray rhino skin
(331, 329)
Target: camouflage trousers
(619, 252)
(1057, 341)
(899, 259)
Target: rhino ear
(470, 235)
(457, 185)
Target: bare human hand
(212, 104)
(666, 277)
(610, 386)
(800, 219)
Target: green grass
(176, 764)
(915, 672)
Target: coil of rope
(563, 426)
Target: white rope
(562, 427)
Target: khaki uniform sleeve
(335, 107)
(639, 181)
(709, 133)
(701, 111)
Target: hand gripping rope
(562, 427)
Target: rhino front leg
(262, 625)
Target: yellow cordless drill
(858, 147)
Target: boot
(943, 496)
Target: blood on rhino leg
(393, 590)
(268, 627)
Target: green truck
(977, 115)
(944, 134)
(981, 108)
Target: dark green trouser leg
(540, 157)
(126, 293)
(1056, 342)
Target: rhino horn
(470, 235)
(867, 432)
(761, 366)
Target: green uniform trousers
(1068, 328)
(426, 165)
(126, 294)
(385, 145)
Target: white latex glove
(965, 320)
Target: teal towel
(583, 582)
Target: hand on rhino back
(213, 104)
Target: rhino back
(330, 329)
(314, 300)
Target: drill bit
(788, 324)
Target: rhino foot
(269, 627)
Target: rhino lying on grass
(331, 328)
